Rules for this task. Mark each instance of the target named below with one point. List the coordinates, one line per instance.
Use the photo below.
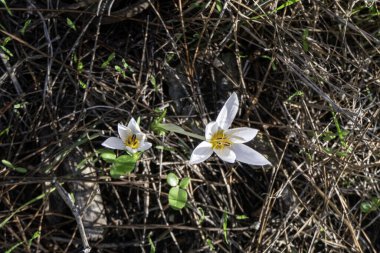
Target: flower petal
(248, 155)
(123, 131)
(134, 126)
(228, 112)
(141, 137)
(114, 143)
(241, 134)
(226, 154)
(144, 146)
(131, 150)
(201, 152)
(211, 128)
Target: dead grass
(307, 76)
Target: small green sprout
(107, 62)
(25, 26)
(82, 84)
(210, 244)
(225, 226)
(71, 24)
(156, 124)
(152, 80)
(121, 71)
(13, 167)
(370, 206)
(177, 194)
(151, 243)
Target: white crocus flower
(131, 138)
(228, 143)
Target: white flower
(228, 143)
(131, 138)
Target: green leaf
(4, 131)
(13, 167)
(225, 224)
(172, 179)
(71, 24)
(219, 6)
(123, 165)
(151, 244)
(107, 155)
(8, 164)
(366, 207)
(242, 217)
(127, 66)
(9, 53)
(82, 84)
(156, 124)
(108, 61)
(177, 198)
(184, 183)
(295, 94)
(375, 202)
(286, 4)
(328, 136)
(35, 236)
(152, 80)
(26, 25)
(21, 170)
(6, 7)
(174, 128)
(120, 71)
(210, 244)
(203, 217)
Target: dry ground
(307, 74)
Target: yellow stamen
(219, 140)
(132, 142)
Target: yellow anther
(132, 142)
(219, 140)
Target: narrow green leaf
(6, 7)
(295, 94)
(210, 244)
(152, 80)
(219, 6)
(242, 217)
(9, 53)
(328, 136)
(286, 4)
(120, 71)
(21, 170)
(82, 84)
(108, 61)
(174, 128)
(71, 24)
(225, 224)
(8, 164)
(203, 217)
(172, 179)
(151, 243)
(25, 27)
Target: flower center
(219, 140)
(132, 142)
